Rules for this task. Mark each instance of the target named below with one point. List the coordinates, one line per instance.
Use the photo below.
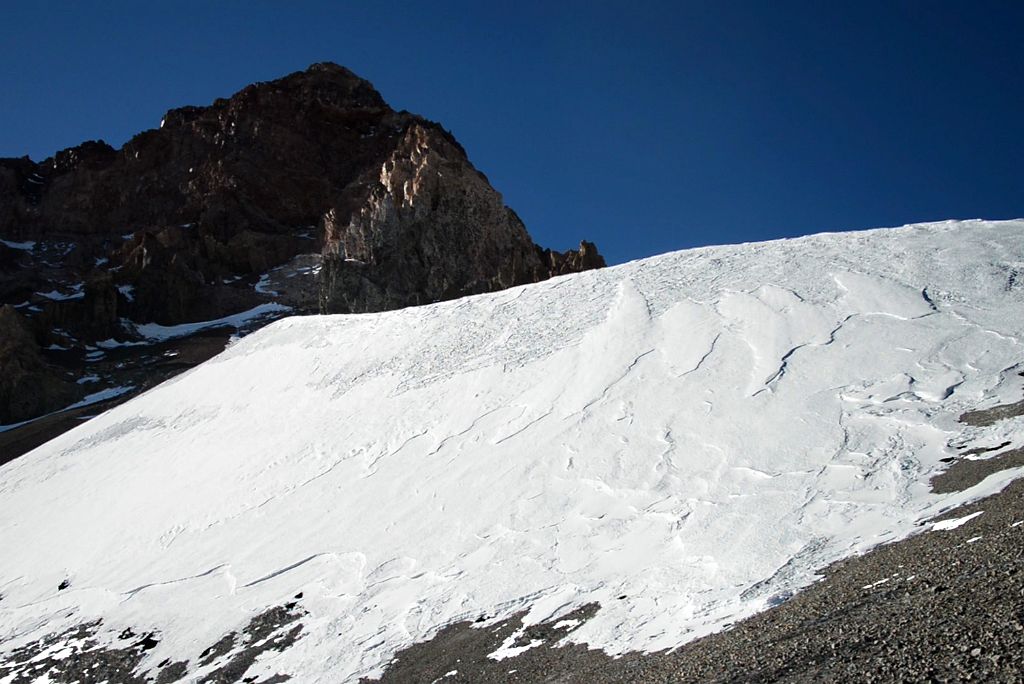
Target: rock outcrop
(234, 205)
(29, 386)
(424, 226)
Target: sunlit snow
(954, 523)
(697, 433)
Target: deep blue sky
(643, 126)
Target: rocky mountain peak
(231, 208)
(322, 86)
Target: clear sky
(643, 126)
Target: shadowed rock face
(28, 385)
(180, 224)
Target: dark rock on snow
(88, 655)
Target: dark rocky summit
(235, 205)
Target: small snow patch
(56, 296)
(111, 343)
(155, 332)
(102, 395)
(263, 286)
(955, 522)
(27, 246)
(509, 650)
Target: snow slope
(697, 433)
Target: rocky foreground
(304, 194)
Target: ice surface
(697, 433)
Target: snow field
(685, 439)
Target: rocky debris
(965, 473)
(72, 656)
(84, 655)
(170, 672)
(183, 222)
(984, 417)
(29, 386)
(462, 652)
(275, 629)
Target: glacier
(685, 440)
